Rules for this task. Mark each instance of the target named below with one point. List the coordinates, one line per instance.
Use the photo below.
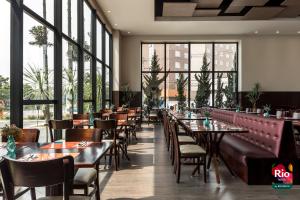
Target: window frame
(213, 72)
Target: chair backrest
(28, 135)
(81, 116)
(132, 110)
(174, 132)
(36, 174)
(59, 125)
(119, 116)
(80, 134)
(107, 127)
(97, 115)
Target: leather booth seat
(251, 155)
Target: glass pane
(99, 86)
(225, 57)
(153, 96)
(198, 53)
(5, 63)
(204, 97)
(174, 93)
(107, 50)
(225, 90)
(87, 94)
(44, 8)
(87, 107)
(147, 57)
(99, 40)
(177, 57)
(69, 89)
(87, 26)
(37, 116)
(69, 15)
(38, 60)
(107, 83)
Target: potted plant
(254, 95)
(267, 109)
(10, 134)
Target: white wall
(273, 61)
(116, 59)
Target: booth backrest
(223, 115)
(263, 132)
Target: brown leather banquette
(251, 155)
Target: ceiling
(226, 9)
(137, 17)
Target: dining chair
(187, 151)
(81, 116)
(19, 173)
(109, 131)
(80, 134)
(85, 177)
(133, 121)
(58, 125)
(28, 135)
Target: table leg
(97, 185)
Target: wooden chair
(80, 134)
(81, 116)
(85, 177)
(17, 173)
(28, 135)
(187, 151)
(58, 125)
(152, 116)
(109, 128)
(133, 122)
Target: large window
(58, 71)
(5, 63)
(189, 74)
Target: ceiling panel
(263, 13)
(234, 9)
(208, 3)
(206, 12)
(291, 2)
(179, 9)
(290, 12)
(249, 2)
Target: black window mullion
(16, 63)
(213, 75)
(165, 74)
(189, 75)
(103, 68)
(58, 60)
(80, 55)
(94, 63)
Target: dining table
(187, 116)
(85, 154)
(213, 134)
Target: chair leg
(116, 154)
(86, 190)
(97, 184)
(178, 170)
(32, 193)
(204, 168)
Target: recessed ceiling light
(298, 32)
(128, 32)
(277, 32)
(116, 24)
(255, 32)
(109, 11)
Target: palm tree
(40, 34)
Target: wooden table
(84, 156)
(215, 132)
(186, 116)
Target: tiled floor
(149, 176)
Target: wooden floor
(149, 176)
